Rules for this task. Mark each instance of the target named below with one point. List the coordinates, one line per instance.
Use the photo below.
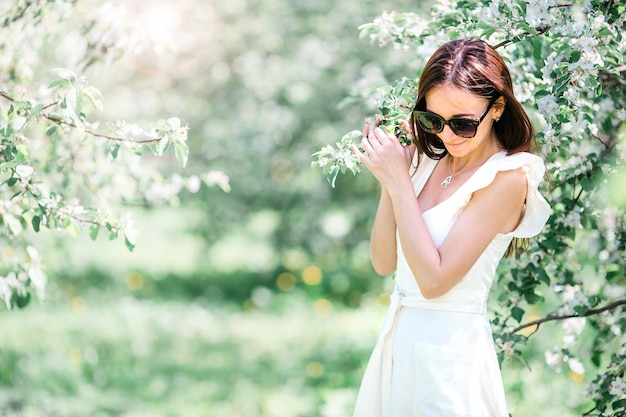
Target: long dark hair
(472, 65)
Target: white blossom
(576, 366)
(548, 107)
(217, 178)
(549, 63)
(617, 387)
(555, 360)
(549, 136)
(574, 325)
(592, 388)
(572, 219)
(573, 297)
(538, 12)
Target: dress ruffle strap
(537, 209)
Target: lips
(455, 145)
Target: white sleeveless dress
(436, 358)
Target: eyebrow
(456, 116)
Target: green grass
(141, 358)
(135, 358)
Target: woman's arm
(492, 210)
(383, 238)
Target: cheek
(485, 128)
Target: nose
(447, 133)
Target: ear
(499, 107)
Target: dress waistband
(459, 300)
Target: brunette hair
(472, 65)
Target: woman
(446, 217)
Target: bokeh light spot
(7, 253)
(527, 331)
(322, 307)
(282, 170)
(336, 224)
(576, 377)
(293, 259)
(78, 304)
(286, 281)
(134, 281)
(261, 297)
(75, 356)
(311, 275)
(315, 369)
(383, 300)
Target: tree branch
(101, 135)
(62, 122)
(553, 317)
(540, 31)
(18, 16)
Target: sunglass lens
(430, 122)
(463, 128)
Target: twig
(101, 135)
(18, 16)
(88, 131)
(587, 413)
(540, 31)
(608, 8)
(553, 317)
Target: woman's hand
(384, 156)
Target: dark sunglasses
(461, 126)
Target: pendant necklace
(447, 180)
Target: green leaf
(93, 231)
(37, 109)
(20, 301)
(51, 130)
(71, 100)
(332, 175)
(115, 147)
(575, 56)
(587, 183)
(62, 82)
(581, 310)
(130, 245)
(537, 49)
(65, 74)
(164, 144)
(95, 97)
(542, 276)
(182, 153)
(36, 221)
(517, 313)
(614, 271)
(23, 153)
(619, 404)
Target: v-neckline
(420, 188)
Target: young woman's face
(451, 102)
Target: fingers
(378, 137)
(374, 141)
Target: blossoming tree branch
(567, 60)
(60, 168)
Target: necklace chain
(447, 180)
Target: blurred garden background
(252, 298)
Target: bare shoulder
(514, 181)
(507, 184)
